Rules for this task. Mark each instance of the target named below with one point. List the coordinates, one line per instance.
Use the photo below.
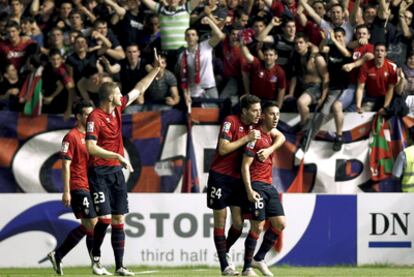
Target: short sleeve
(228, 129)
(92, 129)
(250, 149)
(362, 77)
(67, 149)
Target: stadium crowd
(304, 55)
(333, 55)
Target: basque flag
(190, 178)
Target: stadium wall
(155, 143)
(176, 229)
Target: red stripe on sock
(118, 226)
(253, 235)
(105, 220)
(219, 231)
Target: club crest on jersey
(90, 127)
(65, 147)
(226, 126)
(241, 129)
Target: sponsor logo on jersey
(251, 144)
(226, 126)
(65, 147)
(90, 127)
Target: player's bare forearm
(225, 147)
(389, 96)
(245, 171)
(66, 175)
(96, 150)
(66, 198)
(278, 139)
(142, 85)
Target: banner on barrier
(386, 229)
(156, 145)
(177, 229)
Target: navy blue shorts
(224, 191)
(109, 193)
(269, 204)
(81, 203)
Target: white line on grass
(147, 272)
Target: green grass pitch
(381, 270)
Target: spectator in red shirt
(378, 77)
(283, 7)
(232, 58)
(268, 80)
(16, 49)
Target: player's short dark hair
(80, 35)
(301, 35)
(79, 105)
(54, 51)
(106, 90)
(12, 24)
(27, 19)
(133, 45)
(99, 21)
(286, 20)
(259, 19)
(362, 26)
(233, 27)
(248, 100)
(90, 70)
(191, 29)
(336, 5)
(380, 43)
(339, 30)
(269, 104)
(269, 47)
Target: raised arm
(273, 23)
(152, 5)
(355, 14)
(34, 7)
(217, 34)
(301, 17)
(342, 48)
(246, 53)
(194, 4)
(404, 26)
(310, 11)
(144, 83)
(383, 9)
